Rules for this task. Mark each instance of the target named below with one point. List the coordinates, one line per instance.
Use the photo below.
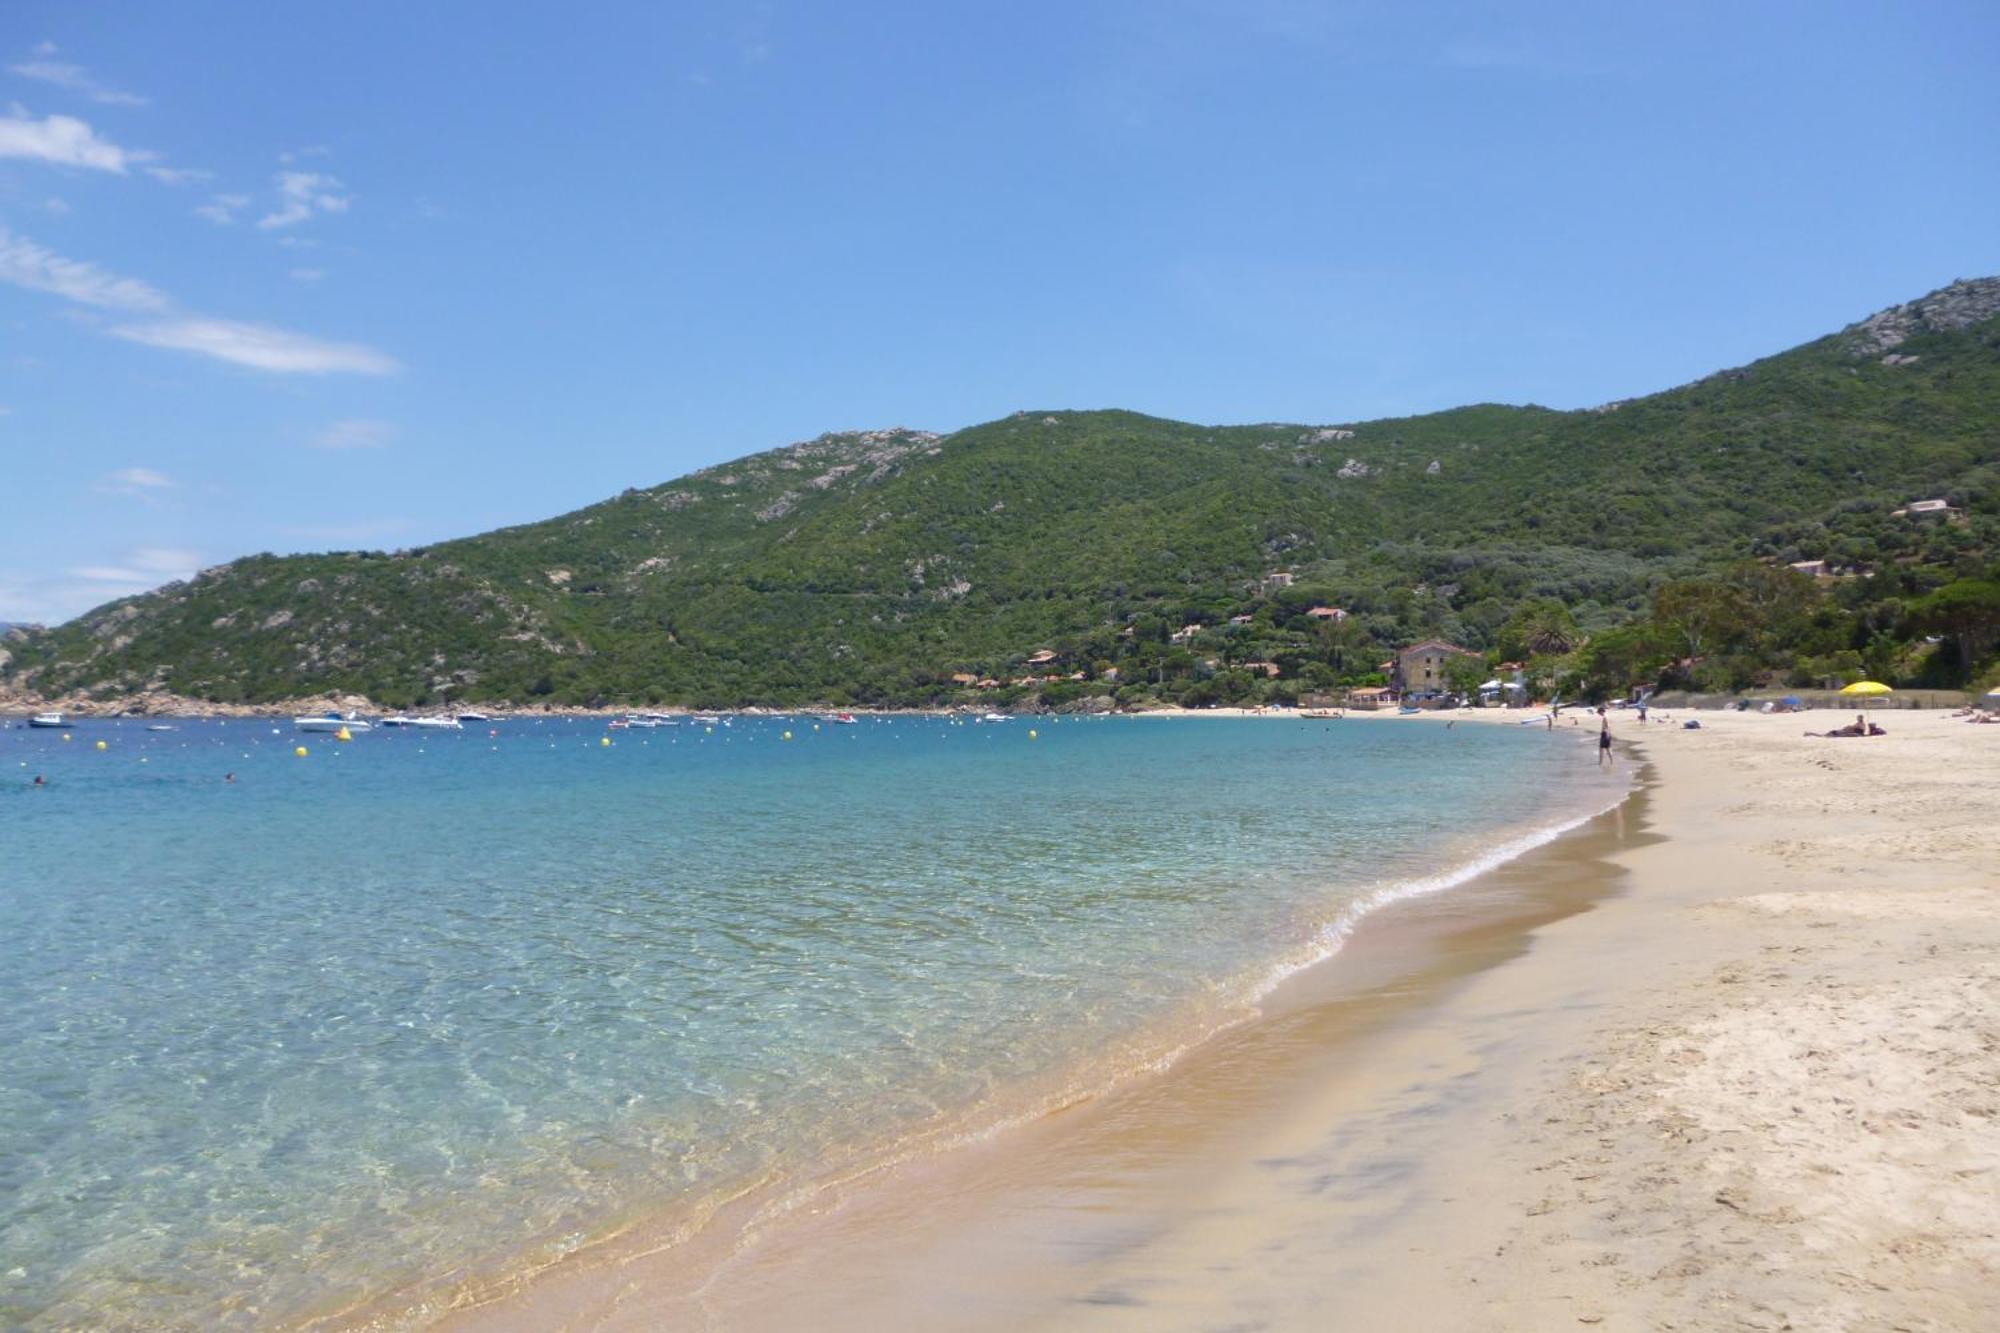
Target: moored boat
(331, 722)
(48, 720)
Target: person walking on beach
(1604, 755)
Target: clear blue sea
(410, 1008)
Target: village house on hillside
(1928, 509)
(1327, 613)
(1421, 666)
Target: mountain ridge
(872, 566)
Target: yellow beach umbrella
(1867, 687)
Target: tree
(1619, 658)
(1543, 628)
(1968, 610)
(1702, 614)
(1464, 674)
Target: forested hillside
(873, 567)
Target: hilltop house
(1421, 666)
(1327, 613)
(1928, 509)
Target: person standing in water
(1604, 755)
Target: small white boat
(329, 723)
(475, 717)
(48, 720)
(435, 723)
(996, 717)
(160, 726)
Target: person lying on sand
(1860, 726)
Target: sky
(308, 277)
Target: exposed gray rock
(1964, 303)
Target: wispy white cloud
(179, 175)
(75, 79)
(50, 599)
(26, 264)
(222, 209)
(306, 274)
(301, 194)
(259, 346)
(350, 534)
(62, 141)
(146, 565)
(140, 483)
(356, 433)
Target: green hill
(871, 567)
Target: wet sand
(1724, 1058)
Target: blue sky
(294, 277)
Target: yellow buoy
(65, 735)
(301, 752)
(788, 735)
(102, 746)
(604, 740)
(343, 735)
(1032, 733)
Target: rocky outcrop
(1961, 305)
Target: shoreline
(1628, 1079)
(676, 1255)
(679, 1242)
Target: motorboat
(996, 717)
(475, 717)
(428, 723)
(161, 726)
(48, 720)
(331, 722)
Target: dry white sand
(1760, 1089)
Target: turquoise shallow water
(410, 1006)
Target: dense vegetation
(1641, 541)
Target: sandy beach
(1725, 1058)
